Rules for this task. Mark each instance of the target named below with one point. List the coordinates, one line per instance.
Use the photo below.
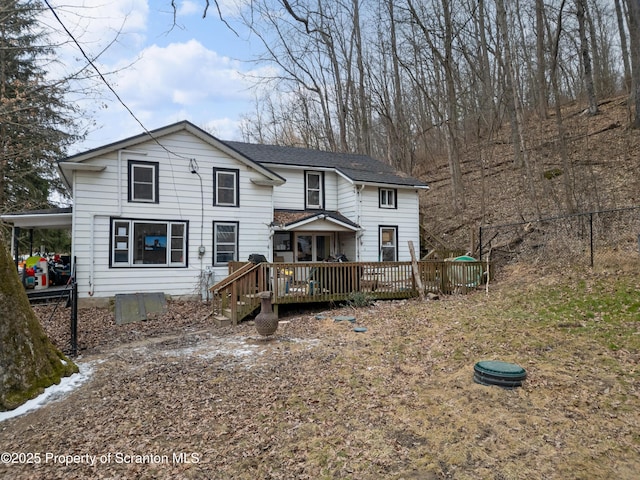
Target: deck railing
(328, 281)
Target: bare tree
(541, 70)
(623, 44)
(634, 37)
(444, 54)
(581, 12)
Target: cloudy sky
(197, 70)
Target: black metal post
(591, 236)
(74, 318)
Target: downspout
(271, 225)
(360, 231)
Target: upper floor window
(138, 243)
(143, 181)
(226, 187)
(314, 189)
(388, 198)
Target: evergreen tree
(36, 125)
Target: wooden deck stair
(235, 297)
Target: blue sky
(197, 70)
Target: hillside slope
(603, 173)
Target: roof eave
(47, 220)
(315, 218)
(168, 130)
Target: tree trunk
(562, 140)
(634, 37)
(586, 58)
(453, 153)
(541, 67)
(501, 16)
(623, 45)
(510, 90)
(29, 362)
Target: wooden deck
(292, 283)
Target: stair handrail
(241, 272)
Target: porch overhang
(287, 221)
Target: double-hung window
(143, 181)
(225, 242)
(226, 187)
(143, 243)
(388, 244)
(314, 189)
(388, 198)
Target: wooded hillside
(603, 173)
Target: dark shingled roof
(359, 168)
(288, 217)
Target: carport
(55, 218)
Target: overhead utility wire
(104, 80)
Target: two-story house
(162, 211)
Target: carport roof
(48, 218)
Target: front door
(313, 247)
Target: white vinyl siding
(102, 197)
(405, 218)
(292, 195)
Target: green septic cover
(462, 275)
(502, 369)
(464, 258)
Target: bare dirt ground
(176, 397)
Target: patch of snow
(211, 349)
(53, 393)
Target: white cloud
(120, 25)
(188, 7)
(182, 74)
(160, 82)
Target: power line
(104, 80)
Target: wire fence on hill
(603, 238)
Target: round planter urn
(267, 320)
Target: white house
(167, 210)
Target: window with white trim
(226, 187)
(225, 242)
(388, 198)
(388, 244)
(148, 243)
(143, 181)
(314, 191)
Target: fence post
(74, 318)
(591, 236)
(480, 243)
